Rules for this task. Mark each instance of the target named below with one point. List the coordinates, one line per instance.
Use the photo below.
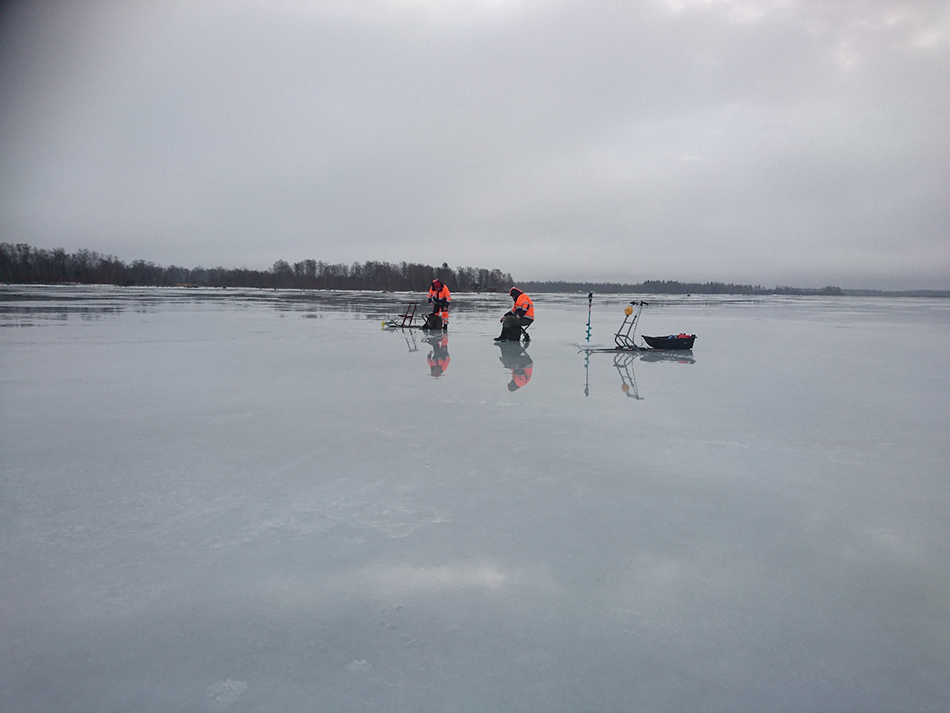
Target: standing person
(439, 298)
(520, 315)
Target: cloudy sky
(771, 142)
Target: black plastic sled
(673, 341)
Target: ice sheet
(262, 501)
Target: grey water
(253, 500)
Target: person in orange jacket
(520, 315)
(439, 298)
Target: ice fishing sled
(673, 341)
(625, 338)
(408, 320)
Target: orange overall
(440, 297)
(519, 316)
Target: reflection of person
(439, 298)
(514, 357)
(438, 358)
(520, 315)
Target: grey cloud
(728, 141)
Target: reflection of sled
(623, 363)
(672, 356)
(407, 320)
(628, 381)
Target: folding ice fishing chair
(523, 334)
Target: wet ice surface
(261, 501)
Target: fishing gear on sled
(407, 320)
(625, 338)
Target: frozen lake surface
(253, 500)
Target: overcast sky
(776, 143)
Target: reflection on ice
(623, 362)
(307, 591)
(438, 358)
(515, 358)
(405, 578)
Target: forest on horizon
(24, 264)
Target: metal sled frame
(404, 320)
(625, 338)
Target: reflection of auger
(586, 373)
(625, 338)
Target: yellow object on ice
(628, 311)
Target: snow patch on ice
(360, 666)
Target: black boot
(503, 337)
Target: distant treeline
(23, 264)
(672, 287)
(897, 293)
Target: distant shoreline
(608, 289)
(672, 287)
(23, 264)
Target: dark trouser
(511, 327)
